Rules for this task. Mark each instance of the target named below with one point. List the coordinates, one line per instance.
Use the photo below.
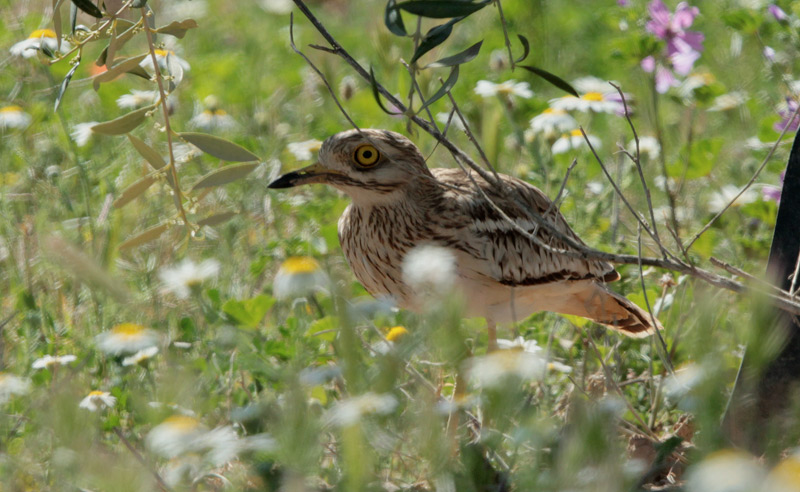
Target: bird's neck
(414, 195)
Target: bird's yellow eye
(366, 155)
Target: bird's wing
(492, 247)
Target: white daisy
(126, 338)
(161, 57)
(648, 146)
(297, 277)
(140, 356)
(184, 152)
(592, 84)
(595, 187)
(213, 119)
(728, 470)
(729, 101)
(175, 435)
(302, 151)
(596, 102)
(279, 7)
(37, 39)
(573, 140)
(492, 369)
(394, 335)
(720, 199)
(350, 411)
(48, 360)
(96, 400)
(82, 132)
(11, 385)
(429, 268)
(485, 88)
(183, 9)
(181, 279)
(519, 343)
(137, 99)
(553, 122)
(13, 117)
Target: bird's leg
(492, 327)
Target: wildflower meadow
(168, 322)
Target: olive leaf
(465, 56)
(88, 7)
(65, 84)
(376, 93)
(526, 48)
(124, 123)
(553, 79)
(178, 28)
(225, 175)
(393, 19)
(145, 236)
(444, 89)
(124, 66)
(134, 190)
(434, 37)
(442, 9)
(219, 147)
(149, 153)
(215, 219)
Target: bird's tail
(599, 304)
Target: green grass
(281, 367)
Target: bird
(398, 203)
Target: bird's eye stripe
(366, 155)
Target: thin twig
(664, 355)
(750, 182)
(165, 108)
(638, 162)
(505, 34)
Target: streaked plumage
(398, 204)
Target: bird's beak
(315, 173)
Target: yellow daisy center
(396, 333)
(182, 423)
(164, 53)
(219, 112)
(576, 133)
(96, 393)
(43, 33)
(593, 96)
(128, 330)
(11, 109)
(300, 264)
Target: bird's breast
(375, 241)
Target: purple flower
(664, 76)
(624, 3)
(769, 53)
(773, 193)
(683, 47)
(672, 28)
(777, 12)
(788, 119)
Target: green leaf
(137, 4)
(465, 56)
(218, 147)
(143, 237)
(444, 89)
(73, 17)
(377, 94)
(216, 219)
(324, 328)
(178, 29)
(393, 19)
(64, 85)
(149, 153)
(434, 38)
(123, 124)
(124, 66)
(249, 312)
(526, 48)
(225, 175)
(701, 161)
(442, 9)
(121, 34)
(553, 79)
(88, 7)
(57, 21)
(134, 190)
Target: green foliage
(92, 235)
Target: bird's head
(365, 164)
